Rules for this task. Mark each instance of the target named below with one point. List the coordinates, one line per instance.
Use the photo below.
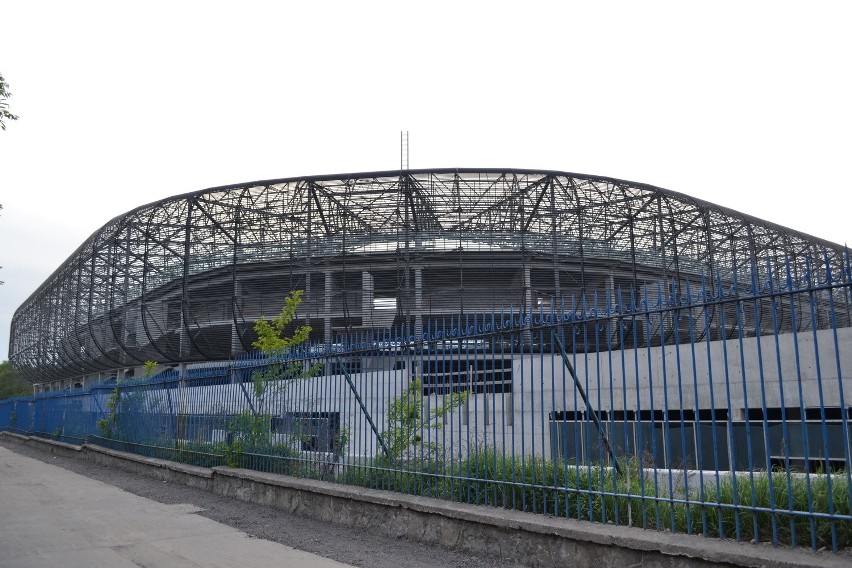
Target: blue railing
(716, 408)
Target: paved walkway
(51, 517)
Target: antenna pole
(403, 149)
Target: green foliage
(271, 338)
(406, 422)
(247, 432)
(4, 105)
(122, 408)
(204, 454)
(250, 432)
(427, 478)
(493, 478)
(594, 493)
(412, 465)
(273, 342)
(1, 282)
(341, 442)
(149, 369)
(107, 425)
(789, 494)
(12, 384)
(550, 487)
(279, 457)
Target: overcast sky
(745, 104)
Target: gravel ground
(344, 544)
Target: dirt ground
(344, 544)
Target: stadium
(562, 306)
(183, 279)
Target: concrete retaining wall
(534, 540)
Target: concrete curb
(535, 540)
(175, 472)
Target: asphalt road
(342, 544)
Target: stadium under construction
(563, 304)
(182, 280)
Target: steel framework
(183, 279)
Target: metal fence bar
(705, 406)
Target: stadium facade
(517, 327)
(182, 280)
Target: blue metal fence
(716, 408)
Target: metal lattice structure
(183, 279)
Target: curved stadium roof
(172, 270)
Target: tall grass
(745, 507)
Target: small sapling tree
(122, 407)
(250, 431)
(407, 422)
(149, 369)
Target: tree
(1, 207)
(4, 105)
(274, 343)
(11, 382)
(251, 430)
(120, 406)
(271, 338)
(4, 110)
(407, 422)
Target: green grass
(790, 496)
(599, 494)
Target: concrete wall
(729, 375)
